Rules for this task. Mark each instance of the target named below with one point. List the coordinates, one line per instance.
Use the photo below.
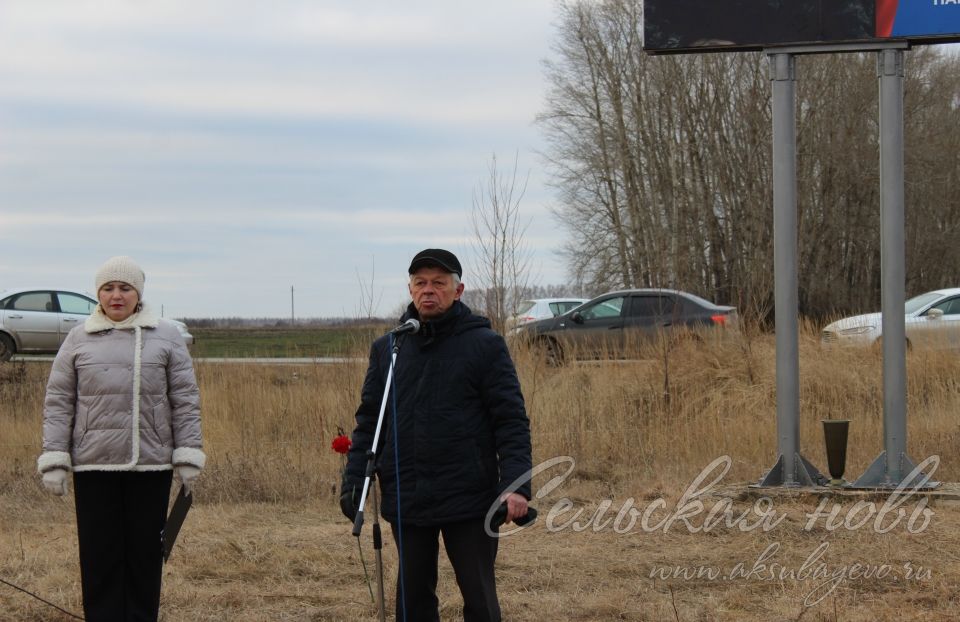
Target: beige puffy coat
(122, 400)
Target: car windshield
(562, 307)
(70, 303)
(604, 309)
(918, 302)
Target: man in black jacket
(462, 438)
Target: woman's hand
(55, 481)
(186, 473)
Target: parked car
(932, 320)
(36, 320)
(542, 308)
(615, 323)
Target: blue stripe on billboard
(920, 18)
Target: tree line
(663, 174)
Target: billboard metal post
(893, 465)
(791, 468)
(783, 30)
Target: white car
(542, 308)
(36, 320)
(932, 321)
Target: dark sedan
(615, 324)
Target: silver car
(931, 320)
(542, 308)
(36, 320)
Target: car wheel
(551, 351)
(7, 348)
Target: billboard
(724, 25)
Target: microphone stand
(368, 481)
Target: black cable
(46, 602)
(396, 465)
(366, 574)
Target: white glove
(55, 481)
(186, 473)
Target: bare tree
(663, 171)
(368, 304)
(503, 261)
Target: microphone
(410, 326)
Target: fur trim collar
(98, 320)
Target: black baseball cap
(436, 257)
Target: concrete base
(876, 475)
(805, 474)
(946, 494)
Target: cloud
(295, 58)
(239, 148)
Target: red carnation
(341, 444)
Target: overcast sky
(236, 148)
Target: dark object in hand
(168, 535)
(500, 516)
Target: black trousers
(120, 515)
(472, 554)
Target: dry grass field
(265, 540)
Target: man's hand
(350, 492)
(516, 506)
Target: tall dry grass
(265, 541)
(671, 413)
(643, 423)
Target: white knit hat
(123, 269)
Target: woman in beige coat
(122, 412)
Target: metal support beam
(791, 469)
(893, 465)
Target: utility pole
(291, 306)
